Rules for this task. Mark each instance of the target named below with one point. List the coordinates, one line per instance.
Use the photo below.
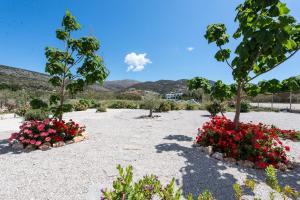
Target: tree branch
(291, 55)
(226, 60)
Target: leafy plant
(151, 102)
(74, 67)
(245, 106)
(215, 107)
(36, 114)
(38, 104)
(268, 36)
(164, 106)
(101, 108)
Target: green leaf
(283, 10)
(222, 55)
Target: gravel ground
(160, 146)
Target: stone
(291, 165)
(230, 160)
(282, 167)
(217, 155)
(208, 150)
(69, 142)
(29, 148)
(45, 147)
(196, 145)
(85, 135)
(248, 164)
(78, 139)
(59, 144)
(17, 146)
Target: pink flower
(44, 134)
(47, 139)
(32, 141)
(22, 138)
(51, 131)
(27, 141)
(41, 127)
(36, 135)
(38, 143)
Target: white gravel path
(160, 146)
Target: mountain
(24, 79)
(162, 86)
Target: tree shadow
(201, 172)
(179, 138)
(5, 148)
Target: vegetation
(76, 66)
(268, 37)
(36, 114)
(151, 102)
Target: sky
(144, 40)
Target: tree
(75, 66)
(291, 85)
(268, 37)
(151, 102)
(272, 86)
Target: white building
(173, 95)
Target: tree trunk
(238, 106)
(62, 99)
(272, 101)
(291, 96)
(151, 112)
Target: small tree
(151, 102)
(272, 86)
(291, 85)
(75, 66)
(268, 37)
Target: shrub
(149, 187)
(38, 104)
(123, 105)
(192, 106)
(49, 130)
(256, 143)
(101, 108)
(81, 105)
(68, 108)
(22, 110)
(36, 114)
(164, 106)
(215, 107)
(245, 106)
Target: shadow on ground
(203, 172)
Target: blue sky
(161, 29)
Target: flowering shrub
(257, 143)
(37, 133)
(286, 134)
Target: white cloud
(190, 49)
(136, 62)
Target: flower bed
(253, 142)
(47, 133)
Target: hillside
(162, 86)
(25, 79)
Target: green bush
(215, 107)
(22, 110)
(245, 106)
(164, 106)
(38, 104)
(68, 108)
(82, 105)
(192, 106)
(101, 108)
(123, 104)
(36, 114)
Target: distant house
(173, 95)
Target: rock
(85, 135)
(248, 164)
(29, 148)
(208, 150)
(59, 144)
(230, 160)
(45, 147)
(69, 142)
(78, 139)
(282, 167)
(291, 165)
(17, 146)
(196, 145)
(218, 156)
